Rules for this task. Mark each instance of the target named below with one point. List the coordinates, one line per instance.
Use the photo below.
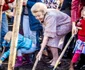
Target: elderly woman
(55, 25)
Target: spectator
(66, 8)
(51, 3)
(31, 26)
(4, 25)
(80, 44)
(77, 6)
(24, 46)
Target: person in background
(76, 8)
(24, 46)
(80, 44)
(66, 7)
(54, 23)
(30, 25)
(51, 3)
(4, 24)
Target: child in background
(24, 46)
(80, 44)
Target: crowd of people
(45, 24)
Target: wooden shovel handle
(35, 64)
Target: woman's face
(39, 16)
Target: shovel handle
(35, 64)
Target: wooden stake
(35, 64)
(61, 55)
(15, 32)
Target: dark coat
(66, 7)
(34, 23)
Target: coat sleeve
(50, 26)
(74, 11)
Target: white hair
(8, 36)
(39, 7)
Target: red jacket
(82, 31)
(5, 6)
(77, 5)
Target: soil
(42, 65)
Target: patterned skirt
(79, 47)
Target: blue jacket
(22, 43)
(33, 22)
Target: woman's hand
(43, 45)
